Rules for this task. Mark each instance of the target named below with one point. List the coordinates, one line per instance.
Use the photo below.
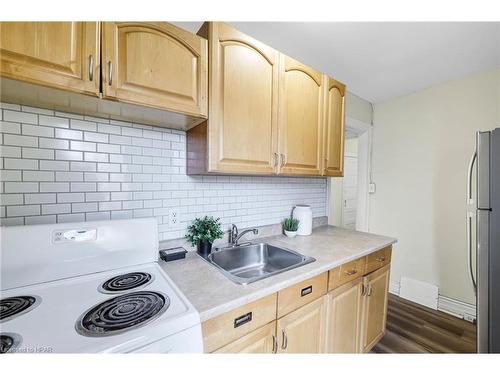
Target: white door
(350, 191)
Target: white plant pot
(290, 234)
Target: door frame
(364, 131)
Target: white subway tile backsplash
(77, 168)
(22, 117)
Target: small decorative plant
(290, 226)
(203, 232)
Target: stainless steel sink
(248, 263)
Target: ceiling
(381, 60)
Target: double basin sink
(247, 263)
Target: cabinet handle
(110, 73)
(351, 272)
(276, 159)
(307, 290)
(369, 291)
(275, 344)
(91, 68)
(363, 290)
(239, 321)
(381, 259)
(283, 160)
(284, 344)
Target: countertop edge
(235, 303)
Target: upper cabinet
(300, 122)
(155, 64)
(242, 124)
(268, 113)
(333, 134)
(57, 54)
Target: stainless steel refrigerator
(486, 246)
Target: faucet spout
(234, 235)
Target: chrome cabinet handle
(91, 68)
(275, 344)
(276, 159)
(369, 290)
(363, 290)
(283, 160)
(381, 259)
(284, 344)
(110, 73)
(351, 272)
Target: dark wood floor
(412, 328)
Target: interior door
(155, 64)
(374, 316)
(333, 137)
(300, 118)
(303, 331)
(63, 55)
(344, 318)
(262, 340)
(350, 191)
(243, 103)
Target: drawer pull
(351, 272)
(239, 321)
(275, 344)
(307, 290)
(381, 259)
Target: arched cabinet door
(64, 55)
(301, 116)
(155, 64)
(333, 162)
(243, 103)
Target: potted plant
(290, 226)
(203, 232)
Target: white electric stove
(91, 287)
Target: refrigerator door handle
(473, 159)
(469, 251)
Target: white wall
(421, 147)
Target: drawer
(378, 259)
(236, 323)
(346, 272)
(300, 294)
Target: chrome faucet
(234, 236)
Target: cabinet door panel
(334, 129)
(374, 307)
(262, 340)
(155, 64)
(344, 318)
(303, 331)
(63, 55)
(300, 118)
(243, 101)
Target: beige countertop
(212, 294)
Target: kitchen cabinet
(303, 330)
(374, 310)
(333, 134)
(241, 133)
(300, 123)
(344, 318)
(155, 64)
(268, 113)
(63, 55)
(261, 341)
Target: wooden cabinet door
(63, 55)
(303, 331)
(333, 135)
(344, 318)
(301, 117)
(262, 340)
(243, 103)
(155, 64)
(374, 314)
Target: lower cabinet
(260, 341)
(344, 318)
(376, 289)
(303, 331)
(343, 310)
